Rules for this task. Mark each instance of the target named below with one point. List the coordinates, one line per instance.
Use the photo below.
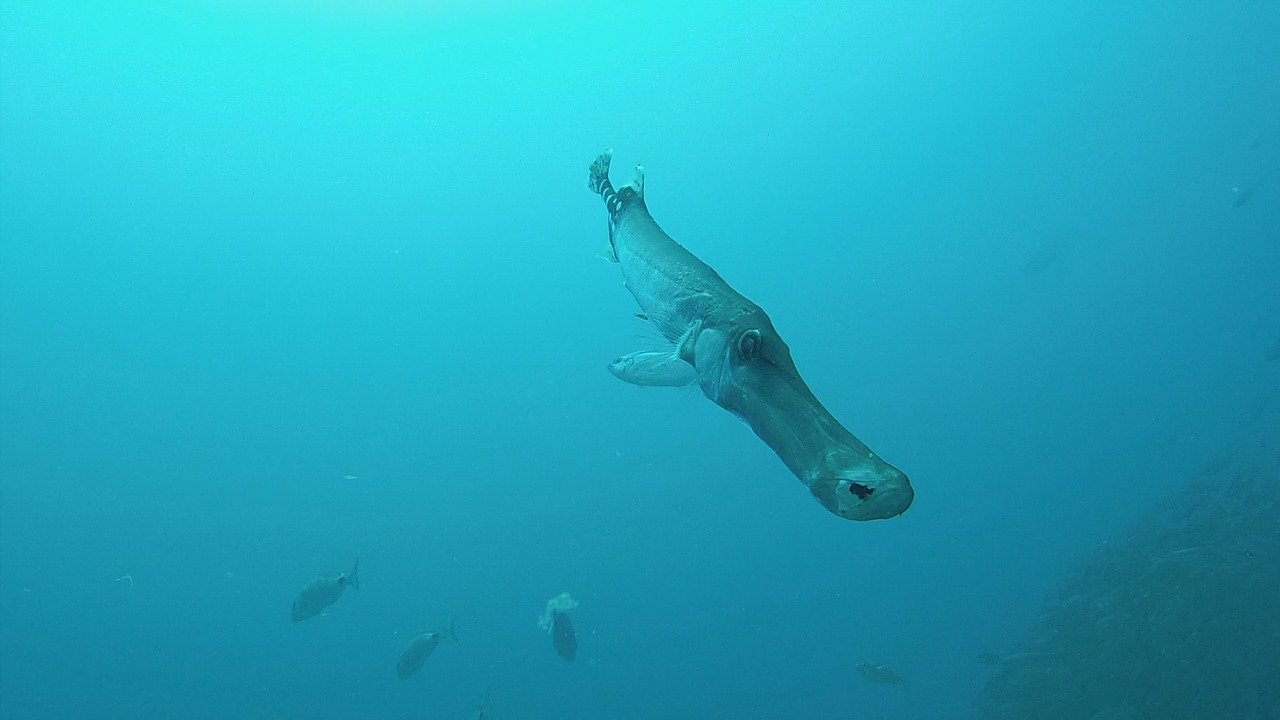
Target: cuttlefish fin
(654, 368)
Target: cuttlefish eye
(749, 344)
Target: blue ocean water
(286, 283)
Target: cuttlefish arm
(729, 347)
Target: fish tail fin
(598, 177)
(453, 635)
(598, 182)
(353, 576)
(615, 200)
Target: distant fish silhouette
(1243, 195)
(555, 620)
(882, 674)
(324, 591)
(563, 637)
(420, 648)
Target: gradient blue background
(247, 248)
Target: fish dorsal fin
(633, 193)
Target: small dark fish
(563, 637)
(323, 592)
(420, 648)
(882, 674)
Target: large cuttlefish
(727, 345)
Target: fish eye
(749, 344)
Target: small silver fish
(420, 648)
(654, 368)
(882, 674)
(323, 592)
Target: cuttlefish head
(745, 367)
